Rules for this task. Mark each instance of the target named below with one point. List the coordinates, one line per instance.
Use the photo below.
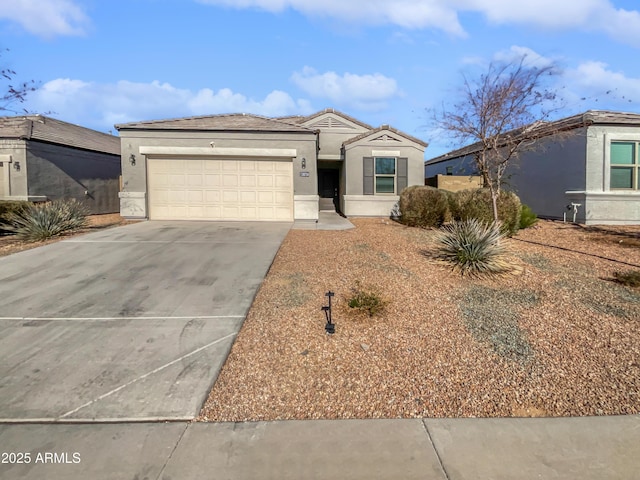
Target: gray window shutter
(367, 168)
(402, 174)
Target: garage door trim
(221, 152)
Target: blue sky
(383, 61)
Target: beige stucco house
(248, 167)
(587, 164)
(43, 159)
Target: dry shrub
(423, 206)
(476, 203)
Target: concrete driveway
(130, 323)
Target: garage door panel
(212, 180)
(281, 198)
(225, 189)
(266, 197)
(265, 181)
(195, 197)
(248, 197)
(177, 180)
(212, 196)
(230, 180)
(247, 181)
(266, 167)
(228, 165)
(195, 180)
(282, 181)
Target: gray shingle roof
(301, 119)
(229, 122)
(590, 117)
(50, 130)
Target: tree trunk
(494, 202)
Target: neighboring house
(590, 161)
(248, 167)
(46, 159)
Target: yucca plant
(37, 222)
(473, 247)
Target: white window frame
(634, 166)
(386, 175)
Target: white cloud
(596, 86)
(531, 57)
(403, 13)
(46, 18)
(589, 15)
(367, 92)
(100, 105)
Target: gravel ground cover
(557, 337)
(10, 244)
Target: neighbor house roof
(50, 130)
(239, 122)
(386, 128)
(590, 117)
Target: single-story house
(42, 159)
(249, 167)
(587, 163)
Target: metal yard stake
(330, 327)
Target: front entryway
(329, 188)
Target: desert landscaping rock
(564, 340)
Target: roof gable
(385, 135)
(330, 119)
(225, 122)
(50, 130)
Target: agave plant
(45, 220)
(473, 247)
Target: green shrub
(423, 206)
(473, 247)
(6, 208)
(37, 222)
(630, 279)
(366, 300)
(476, 203)
(527, 217)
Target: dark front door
(328, 183)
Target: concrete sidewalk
(438, 449)
(326, 221)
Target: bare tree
(502, 112)
(13, 92)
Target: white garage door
(215, 189)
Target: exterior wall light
(304, 163)
(132, 160)
(16, 166)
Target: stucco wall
(355, 203)
(540, 177)
(354, 164)
(59, 172)
(332, 138)
(14, 181)
(601, 204)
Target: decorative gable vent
(331, 122)
(386, 138)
